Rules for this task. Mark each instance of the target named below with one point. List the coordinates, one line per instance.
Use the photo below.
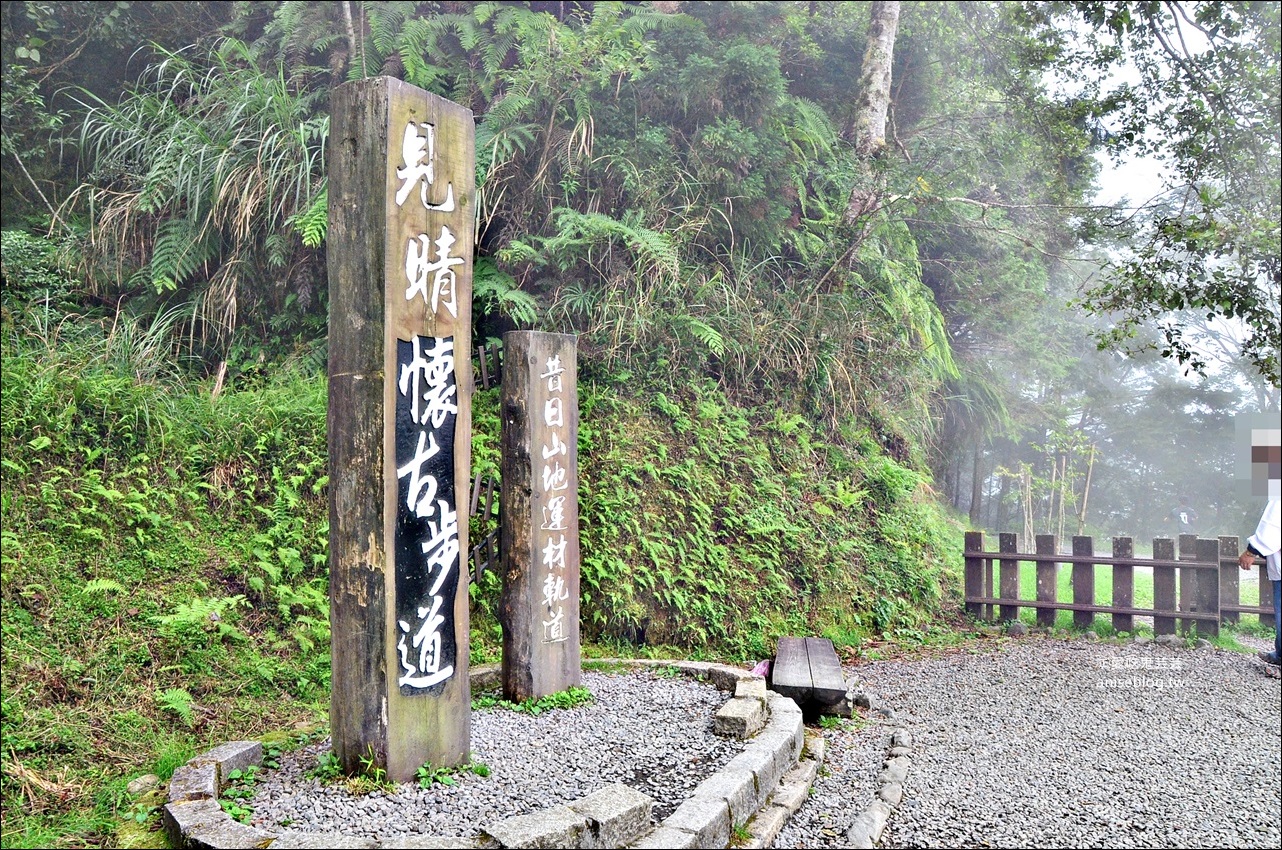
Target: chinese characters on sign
(554, 484)
(427, 530)
(401, 168)
(427, 527)
(539, 604)
(433, 278)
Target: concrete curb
(765, 777)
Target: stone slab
(761, 762)
(766, 826)
(790, 795)
(616, 814)
(483, 677)
(194, 782)
(896, 771)
(558, 826)
(226, 834)
(816, 747)
(740, 718)
(427, 842)
(234, 755)
(725, 677)
(666, 838)
(318, 840)
(866, 831)
(891, 793)
(707, 819)
(751, 687)
(804, 772)
(786, 747)
(181, 817)
(738, 788)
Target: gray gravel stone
(1047, 743)
(649, 732)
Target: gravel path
(1049, 743)
(649, 732)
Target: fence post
(1163, 586)
(1083, 582)
(1123, 584)
(1008, 570)
(1208, 552)
(974, 577)
(1230, 590)
(1047, 579)
(1188, 581)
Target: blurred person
(1184, 516)
(1266, 542)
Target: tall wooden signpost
(401, 230)
(539, 608)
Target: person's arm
(1248, 556)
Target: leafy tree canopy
(1197, 86)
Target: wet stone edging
(756, 791)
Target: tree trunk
(868, 128)
(976, 487)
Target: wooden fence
(1198, 585)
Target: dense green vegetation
(799, 354)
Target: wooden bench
(807, 671)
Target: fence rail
(1200, 587)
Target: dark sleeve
(1256, 552)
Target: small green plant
(140, 811)
(429, 775)
(829, 721)
(328, 768)
(740, 835)
(239, 791)
(371, 778)
(177, 701)
(666, 672)
(569, 698)
(271, 756)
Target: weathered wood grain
(370, 716)
(541, 644)
(790, 674)
(827, 678)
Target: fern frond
(102, 586)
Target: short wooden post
(1164, 586)
(539, 605)
(1189, 582)
(1047, 579)
(990, 612)
(1230, 588)
(1008, 574)
(402, 169)
(1083, 582)
(974, 577)
(1208, 553)
(1123, 584)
